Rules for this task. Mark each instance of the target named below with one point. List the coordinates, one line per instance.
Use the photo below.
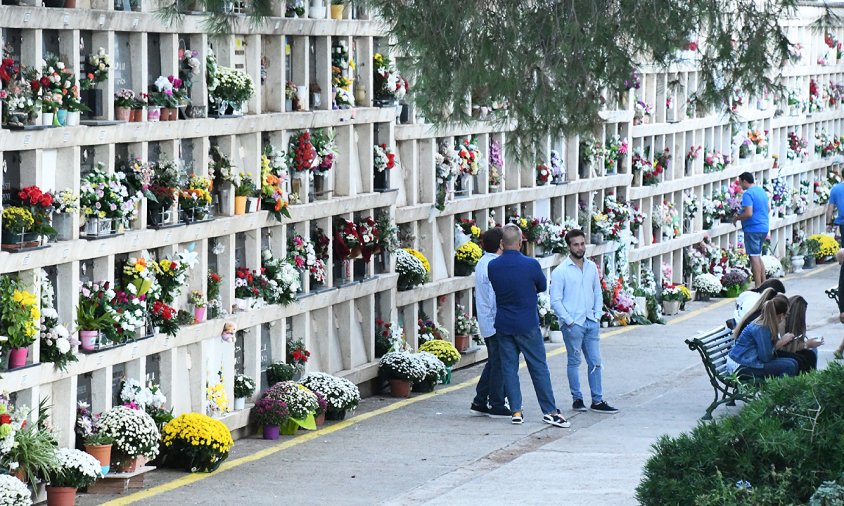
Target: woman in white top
(750, 298)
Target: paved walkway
(429, 450)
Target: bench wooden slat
(713, 347)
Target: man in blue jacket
(516, 279)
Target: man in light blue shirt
(578, 303)
(489, 397)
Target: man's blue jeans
(584, 339)
(491, 386)
(532, 347)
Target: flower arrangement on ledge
(302, 153)
(412, 268)
(797, 147)
(468, 254)
(619, 215)
(443, 350)
(496, 164)
(196, 442)
(340, 393)
(469, 156)
(543, 174)
(369, 235)
(388, 84)
(347, 241)
(272, 180)
(713, 161)
(384, 158)
(302, 254)
(280, 280)
(19, 317)
(615, 151)
(447, 167)
(55, 340)
(326, 149)
(469, 228)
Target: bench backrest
(714, 346)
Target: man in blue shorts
(754, 218)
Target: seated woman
(750, 298)
(753, 354)
(801, 349)
(752, 312)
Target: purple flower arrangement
(733, 278)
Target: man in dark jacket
(516, 280)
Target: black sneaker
(478, 410)
(603, 407)
(499, 413)
(556, 420)
(578, 405)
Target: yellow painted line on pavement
(231, 464)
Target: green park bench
(714, 346)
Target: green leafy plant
(34, 451)
(783, 444)
(280, 371)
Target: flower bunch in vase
(384, 158)
(347, 241)
(651, 175)
(543, 174)
(496, 164)
(619, 214)
(56, 344)
(19, 319)
(469, 157)
(272, 194)
(797, 147)
(642, 112)
(280, 281)
(216, 400)
(389, 85)
(369, 235)
(713, 161)
(464, 323)
(96, 69)
(104, 197)
(172, 274)
(234, 88)
(195, 199)
(614, 152)
(302, 153)
(302, 254)
(601, 227)
(781, 195)
(326, 149)
(411, 270)
(446, 164)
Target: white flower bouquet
(233, 85)
(340, 393)
(773, 267)
(13, 492)
(543, 307)
(708, 284)
(133, 431)
(434, 367)
(402, 365)
(410, 269)
(283, 279)
(77, 469)
(300, 400)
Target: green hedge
(778, 450)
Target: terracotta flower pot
(320, 420)
(136, 115)
(400, 387)
(101, 453)
(174, 113)
(130, 465)
(122, 113)
(461, 343)
(61, 496)
(240, 205)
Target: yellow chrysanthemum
(421, 257)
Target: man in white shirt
(489, 396)
(578, 303)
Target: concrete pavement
(429, 450)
